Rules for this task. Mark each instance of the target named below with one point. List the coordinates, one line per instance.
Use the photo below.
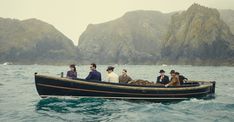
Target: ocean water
(19, 101)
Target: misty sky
(72, 16)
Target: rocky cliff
(134, 38)
(198, 36)
(33, 41)
(228, 17)
(195, 36)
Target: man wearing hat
(174, 80)
(111, 76)
(163, 79)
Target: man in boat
(172, 71)
(94, 75)
(174, 80)
(72, 74)
(124, 78)
(111, 76)
(163, 79)
(182, 79)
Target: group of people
(175, 80)
(94, 75)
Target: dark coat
(182, 78)
(71, 74)
(94, 76)
(165, 79)
(124, 79)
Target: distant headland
(196, 36)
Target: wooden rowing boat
(55, 86)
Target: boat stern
(213, 87)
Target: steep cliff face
(228, 17)
(198, 36)
(33, 41)
(135, 38)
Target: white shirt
(112, 77)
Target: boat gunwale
(123, 86)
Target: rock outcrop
(198, 36)
(135, 38)
(228, 17)
(33, 41)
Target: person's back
(94, 75)
(72, 74)
(111, 76)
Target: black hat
(161, 71)
(110, 68)
(177, 73)
(172, 71)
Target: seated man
(94, 75)
(172, 71)
(124, 78)
(163, 79)
(174, 80)
(111, 76)
(182, 79)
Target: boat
(50, 86)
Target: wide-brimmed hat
(161, 71)
(110, 68)
(172, 71)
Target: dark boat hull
(52, 86)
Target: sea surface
(19, 101)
